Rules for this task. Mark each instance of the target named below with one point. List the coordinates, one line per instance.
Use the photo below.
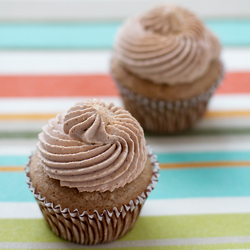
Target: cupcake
(92, 172)
(166, 65)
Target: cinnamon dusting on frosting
(93, 147)
(167, 45)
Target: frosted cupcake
(166, 65)
(92, 172)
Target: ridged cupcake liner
(90, 229)
(164, 116)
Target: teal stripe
(14, 188)
(173, 183)
(98, 35)
(203, 156)
(178, 157)
(13, 160)
(231, 32)
(57, 35)
(203, 182)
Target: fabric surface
(202, 200)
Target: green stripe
(236, 246)
(157, 227)
(94, 35)
(194, 132)
(189, 226)
(26, 230)
(19, 134)
(173, 183)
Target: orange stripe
(54, 86)
(235, 83)
(204, 164)
(27, 116)
(221, 114)
(93, 85)
(165, 165)
(208, 115)
(12, 169)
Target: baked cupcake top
(167, 45)
(93, 147)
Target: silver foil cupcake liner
(164, 116)
(90, 229)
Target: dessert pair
(92, 171)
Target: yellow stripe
(165, 165)
(206, 164)
(46, 116)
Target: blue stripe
(177, 183)
(178, 157)
(98, 35)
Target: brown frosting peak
(93, 147)
(167, 45)
(168, 20)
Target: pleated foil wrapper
(164, 116)
(90, 229)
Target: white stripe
(17, 150)
(76, 10)
(22, 126)
(236, 59)
(190, 206)
(17, 147)
(54, 62)
(45, 105)
(221, 123)
(128, 244)
(164, 207)
(159, 144)
(229, 102)
(20, 210)
(199, 143)
(89, 62)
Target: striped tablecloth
(202, 200)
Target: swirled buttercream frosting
(167, 45)
(93, 147)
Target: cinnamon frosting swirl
(93, 147)
(167, 45)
